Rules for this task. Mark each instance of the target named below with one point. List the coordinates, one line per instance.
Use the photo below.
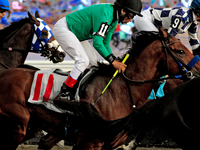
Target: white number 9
(176, 23)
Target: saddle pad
(45, 87)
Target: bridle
(186, 74)
(43, 49)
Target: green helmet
(134, 6)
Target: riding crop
(114, 75)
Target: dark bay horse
(154, 133)
(160, 55)
(177, 114)
(27, 35)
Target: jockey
(96, 22)
(4, 6)
(175, 20)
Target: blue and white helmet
(195, 6)
(4, 4)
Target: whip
(114, 75)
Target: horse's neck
(11, 59)
(20, 39)
(144, 67)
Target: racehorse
(162, 54)
(177, 113)
(148, 61)
(27, 35)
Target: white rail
(46, 64)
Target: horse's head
(158, 54)
(180, 54)
(44, 41)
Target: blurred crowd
(52, 10)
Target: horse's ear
(37, 15)
(29, 15)
(163, 32)
(33, 19)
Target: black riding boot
(67, 92)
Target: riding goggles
(2, 10)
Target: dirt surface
(34, 147)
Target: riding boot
(67, 91)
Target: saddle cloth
(45, 87)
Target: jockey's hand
(121, 67)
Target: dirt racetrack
(34, 147)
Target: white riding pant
(83, 53)
(145, 23)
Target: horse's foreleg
(47, 142)
(11, 133)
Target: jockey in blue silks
(175, 20)
(4, 6)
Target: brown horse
(148, 61)
(18, 39)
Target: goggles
(198, 14)
(2, 10)
(130, 15)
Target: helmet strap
(121, 17)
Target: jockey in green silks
(96, 22)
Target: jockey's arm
(102, 43)
(107, 54)
(175, 26)
(193, 38)
(98, 43)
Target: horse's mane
(28, 67)
(142, 39)
(139, 41)
(11, 28)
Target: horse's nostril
(62, 54)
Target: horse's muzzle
(59, 57)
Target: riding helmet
(133, 6)
(4, 4)
(195, 6)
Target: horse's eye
(181, 52)
(44, 34)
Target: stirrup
(66, 92)
(67, 96)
